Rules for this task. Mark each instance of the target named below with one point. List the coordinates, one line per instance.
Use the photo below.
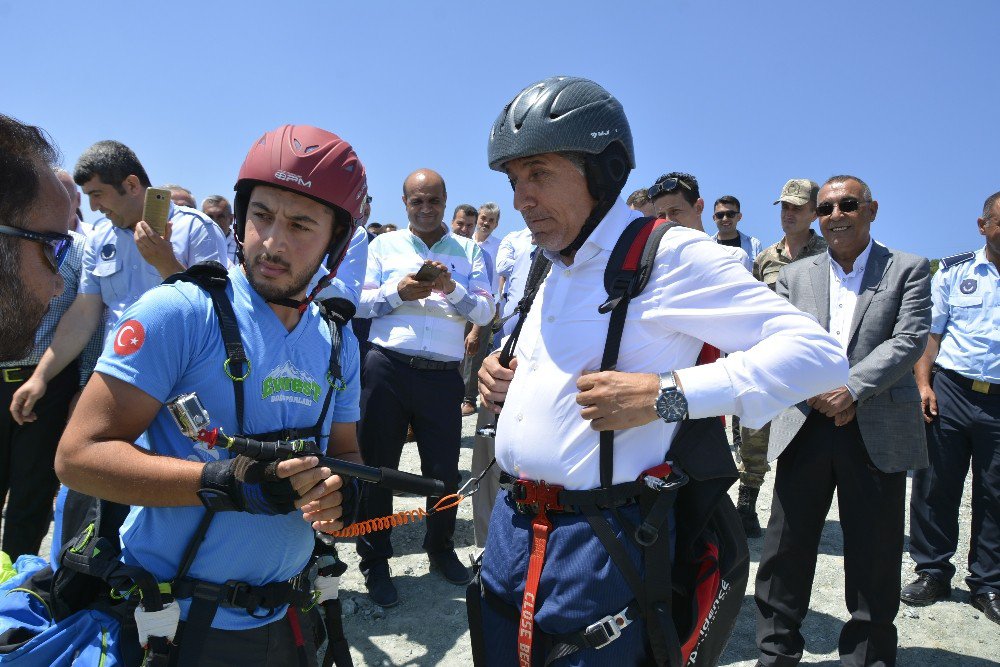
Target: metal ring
(225, 367)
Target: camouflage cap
(798, 191)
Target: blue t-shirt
(169, 343)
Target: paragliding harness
(690, 604)
(89, 563)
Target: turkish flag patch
(130, 338)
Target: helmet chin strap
(606, 174)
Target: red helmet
(310, 162)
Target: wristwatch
(671, 405)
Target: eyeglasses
(725, 215)
(55, 246)
(666, 186)
(846, 205)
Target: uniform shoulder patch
(960, 258)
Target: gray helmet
(561, 113)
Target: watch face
(671, 406)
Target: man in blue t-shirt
(298, 196)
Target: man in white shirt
(76, 222)
(565, 145)
(220, 211)
(410, 375)
(478, 340)
(676, 198)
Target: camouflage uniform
(751, 450)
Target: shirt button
(520, 416)
(567, 273)
(534, 367)
(552, 318)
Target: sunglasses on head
(55, 246)
(846, 205)
(666, 186)
(725, 215)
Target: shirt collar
(606, 235)
(859, 264)
(447, 233)
(980, 257)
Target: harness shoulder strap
(214, 279)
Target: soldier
(798, 210)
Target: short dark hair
(112, 162)
(22, 147)
(691, 193)
(464, 209)
(866, 192)
(638, 198)
(988, 206)
(728, 200)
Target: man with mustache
(298, 197)
(123, 259)
(411, 373)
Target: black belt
(420, 363)
(977, 386)
(16, 374)
(619, 495)
(241, 595)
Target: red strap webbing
(540, 529)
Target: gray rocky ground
(429, 626)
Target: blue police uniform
(966, 313)
(114, 268)
(169, 343)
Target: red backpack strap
(631, 260)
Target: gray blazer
(888, 335)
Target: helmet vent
(298, 146)
(349, 168)
(310, 149)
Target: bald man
(411, 375)
(76, 222)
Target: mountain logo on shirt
(288, 383)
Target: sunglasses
(55, 246)
(666, 186)
(846, 205)
(725, 215)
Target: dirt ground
(429, 626)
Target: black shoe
(746, 507)
(925, 590)
(380, 587)
(989, 604)
(447, 563)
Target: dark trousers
(393, 396)
(821, 458)
(966, 431)
(27, 455)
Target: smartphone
(156, 209)
(428, 272)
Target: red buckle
(541, 495)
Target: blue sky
(742, 94)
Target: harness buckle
(675, 480)
(606, 630)
(541, 495)
(237, 589)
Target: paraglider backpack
(690, 605)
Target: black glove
(242, 484)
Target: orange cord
(397, 519)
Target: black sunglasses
(666, 186)
(55, 246)
(725, 215)
(846, 205)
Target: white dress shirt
(434, 327)
(490, 247)
(698, 293)
(844, 290)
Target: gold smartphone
(156, 209)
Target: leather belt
(420, 363)
(16, 374)
(977, 386)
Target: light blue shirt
(514, 265)
(350, 273)
(169, 343)
(750, 244)
(114, 268)
(966, 311)
(434, 327)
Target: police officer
(122, 260)
(961, 403)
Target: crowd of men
(849, 366)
